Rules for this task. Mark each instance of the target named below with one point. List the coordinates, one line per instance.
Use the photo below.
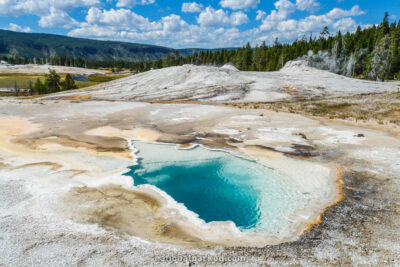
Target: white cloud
(17, 8)
(67, 4)
(316, 24)
(239, 18)
(125, 25)
(191, 7)
(260, 15)
(120, 18)
(340, 13)
(57, 19)
(283, 9)
(308, 5)
(52, 13)
(132, 3)
(93, 31)
(278, 24)
(313, 23)
(239, 4)
(16, 28)
(173, 23)
(184, 36)
(287, 25)
(345, 24)
(219, 18)
(214, 27)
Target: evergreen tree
(385, 25)
(246, 58)
(68, 83)
(39, 88)
(382, 59)
(324, 34)
(52, 82)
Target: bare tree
(30, 87)
(16, 89)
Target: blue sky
(179, 24)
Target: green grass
(104, 78)
(85, 84)
(22, 80)
(97, 79)
(8, 81)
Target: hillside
(190, 51)
(39, 45)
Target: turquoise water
(219, 186)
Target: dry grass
(382, 108)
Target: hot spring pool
(219, 186)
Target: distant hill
(190, 51)
(40, 45)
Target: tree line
(52, 84)
(371, 53)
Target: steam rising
(333, 62)
(379, 64)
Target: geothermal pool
(219, 186)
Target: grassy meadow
(8, 81)
(22, 80)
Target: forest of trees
(53, 84)
(371, 53)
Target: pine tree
(52, 81)
(324, 34)
(39, 88)
(68, 83)
(246, 58)
(381, 60)
(385, 29)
